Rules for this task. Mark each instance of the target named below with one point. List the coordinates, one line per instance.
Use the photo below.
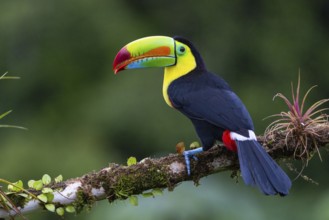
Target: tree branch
(120, 182)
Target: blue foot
(191, 153)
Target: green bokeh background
(80, 116)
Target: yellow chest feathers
(185, 63)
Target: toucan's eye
(181, 50)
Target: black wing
(209, 98)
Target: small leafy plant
(16, 196)
(5, 202)
(299, 124)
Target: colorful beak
(156, 51)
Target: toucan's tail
(259, 169)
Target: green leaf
(131, 161)
(37, 185)
(13, 126)
(42, 198)
(58, 179)
(50, 207)
(133, 200)
(23, 195)
(8, 77)
(6, 113)
(16, 187)
(50, 197)
(30, 183)
(60, 211)
(194, 145)
(147, 195)
(70, 209)
(47, 190)
(46, 179)
(157, 192)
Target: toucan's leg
(191, 153)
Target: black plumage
(259, 169)
(210, 103)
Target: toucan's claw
(191, 153)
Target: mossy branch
(121, 182)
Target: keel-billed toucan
(207, 100)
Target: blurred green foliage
(81, 116)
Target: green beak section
(155, 51)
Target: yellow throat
(185, 64)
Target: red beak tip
(123, 55)
(117, 69)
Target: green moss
(84, 200)
(18, 200)
(135, 180)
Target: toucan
(216, 112)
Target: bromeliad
(216, 112)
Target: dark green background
(81, 116)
